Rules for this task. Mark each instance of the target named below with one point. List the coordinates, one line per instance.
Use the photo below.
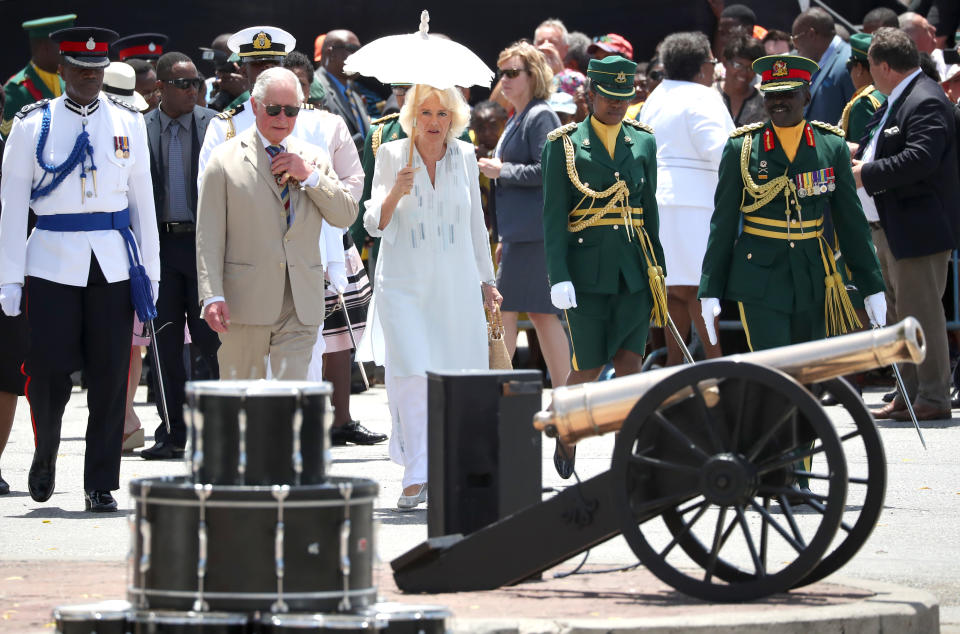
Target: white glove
(10, 299)
(155, 289)
(710, 309)
(563, 296)
(337, 274)
(876, 306)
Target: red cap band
(82, 47)
(140, 50)
(793, 73)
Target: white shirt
(869, 207)
(122, 182)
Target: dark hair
(577, 44)
(497, 110)
(881, 16)
(683, 54)
(741, 13)
(819, 20)
(166, 63)
(776, 35)
(140, 66)
(743, 46)
(894, 47)
(296, 59)
(929, 67)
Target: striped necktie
(175, 175)
(273, 150)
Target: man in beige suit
(262, 199)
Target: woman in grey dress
(522, 275)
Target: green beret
(779, 73)
(612, 76)
(859, 45)
(43, 27)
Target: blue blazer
(519, 189)
(831, 89)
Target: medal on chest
(121, 147)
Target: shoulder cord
(80, 148)
(619, 194)
(375, 141)
(763, 194)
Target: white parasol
(420, 58)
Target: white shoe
(133, 440)
(410, 502)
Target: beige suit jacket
(244, 248)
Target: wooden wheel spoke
(788, 457)
(769, 519)
(687, 527)
(758, 446)
(855, 433)
(716, 546)
(663, 464)
(757, 564)
(707, 419)
(694, 505)
(685, 440)
(657, 504)
(791, 520)
(741, 402)
(812, 476)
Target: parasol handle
(413, 129)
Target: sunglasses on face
(350, 48)
(184, 83)
(512, 73)
(290, 111)
(655, 75)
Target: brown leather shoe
(895, 406)
(923, 412)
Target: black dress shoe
(99, 502)
(563, 462)
(42, 477)
(4, 487)
(162, 450)
(354, 432)
(889, 396)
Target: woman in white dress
(692, 125)
(434, 261)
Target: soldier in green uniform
(39, 79)
(778, 178)
(867, 99)
(601, 232)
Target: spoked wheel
(699, 462)
(866, 481)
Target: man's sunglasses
(290, 111)
(350, 48)
(512, 73)
(184, 83)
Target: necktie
(175, 178)
(273, 150)
(355, 110)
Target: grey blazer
(519, 189)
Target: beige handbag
(497, 348)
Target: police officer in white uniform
(81, 162)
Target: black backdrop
(486, 26)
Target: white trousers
(315, 369)
(407, 399)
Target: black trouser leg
(107, 335)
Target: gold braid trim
(619, 194)
(375, 140)
(763, 194)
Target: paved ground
(914, 545)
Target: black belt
(177, 227)
(875, 224)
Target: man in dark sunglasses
(174, 132)
(341, 97)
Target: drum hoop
(258, 388)
(81, 612)
(173, 618)
(321, 620)
(187, 594)
(413, 612)
(264, 504)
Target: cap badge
(261, 41)
(621, 78)
(91, 44)
(151, 47)
(780, 69)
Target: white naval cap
(261, 42)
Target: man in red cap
(610, 44)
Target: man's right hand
(10, 299)
(563, 295)
(217, 316)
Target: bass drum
(402, 618)
(190, 623)
(106, 617)
(329, 623)
(259, 432)
(273, 549)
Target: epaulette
(305, 106)
(385, 119)
(30, 107)
(564, 129)
(123, 104)
(829, 128)
(633, 123)
(750, 127)
(228, 114)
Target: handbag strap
(494, 323)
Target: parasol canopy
(420, 58)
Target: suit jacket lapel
(153, 138)
(343, 103)
(517, 122)
(891, 121)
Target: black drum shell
(107, 617)
(404, 618)
(241, 569)
(214, 431)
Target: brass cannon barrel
(592, 409)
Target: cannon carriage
(703, 480)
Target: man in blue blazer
(815, 37)
(908, 165)
(175, 133)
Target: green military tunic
(780, 269)
(382, 131)
(601, 232)
(240, 100)
(23, 89)
(859, 110)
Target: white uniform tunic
(122, 182)
(427, 304)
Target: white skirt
(683, 233)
